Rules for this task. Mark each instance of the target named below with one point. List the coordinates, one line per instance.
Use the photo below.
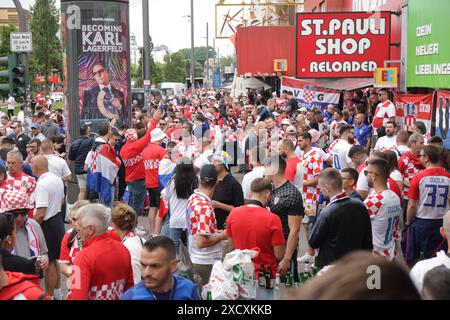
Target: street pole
(207, 56)
(147, 53)
(24, 59)
(192, 48)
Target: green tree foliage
(4, 39)
(156, 70)
(47, 53)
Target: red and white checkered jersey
(384, 210)
(313, 164)
(331, 147)
(23, 183)
(334, 132)
(102, 270)
(340, 154)
(408, 165)
(229, 134)
(202, 221)
(190, 151)
(382, 114)
(431, 187)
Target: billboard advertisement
(413, 107)
(428, 51)
(341, 45)
(96, 58)
(442, 128)
(310, 96)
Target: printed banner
(443, 117)
(310, 96)
(342, 45)
(412, 108)
(103, 64)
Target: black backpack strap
(72, 237)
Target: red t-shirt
(394, 187)
(291, 168)
(265, 234)
(131, 155)
(153, 154)
(102, 270)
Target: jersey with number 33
(431, 188)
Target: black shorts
(154, 197)
(53, 230)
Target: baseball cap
(208, 172)
(35, 126)
(291, 129)
(222, 157)
(315, 135)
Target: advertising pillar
(95, 36)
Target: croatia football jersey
(312, 166)
(408, 165)
(384, 210)
(382, 114)
(340, 155)
(431, 188)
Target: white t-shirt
(396, 175)
(384, 210)
(383, 112)
(177, 207)
(402, 149)
(249, 177)
(134, 245)
(58, 166)
(11, 103)
(39, 136)
(362, 183)
(421, 268)
(386, 143)
(340, 155)
(49, 193)
(203, 159)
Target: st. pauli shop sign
(413, 107)
(310, 96)
(341, 45)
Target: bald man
(49, 194)
(421, 268)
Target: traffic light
(13, 78)
(17, 78)
(4, 77)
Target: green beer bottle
(209, 295)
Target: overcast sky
(167, 25)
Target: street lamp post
(192, 49)
(147, 53)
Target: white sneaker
(306, 259)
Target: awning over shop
(240, 85)
(345, 84)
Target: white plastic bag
(239, 262)
(221, 284)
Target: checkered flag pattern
(13, 200)
(308, 96)
(373, 203)
(110, 291)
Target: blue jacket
(183, 289)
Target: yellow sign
(386, 78)
(280, 65)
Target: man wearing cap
(152, 155)
(36, 132)
(133, 160)
(30, 242)
(205, 240)
(228, 192)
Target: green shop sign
(428, 63)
